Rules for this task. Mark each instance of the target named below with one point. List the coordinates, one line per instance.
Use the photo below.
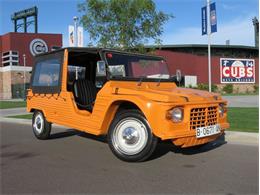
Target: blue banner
(204, 20)
(213, 18)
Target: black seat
(85, 93)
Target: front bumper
(192, 140)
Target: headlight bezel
(222, 110)
(173, 114)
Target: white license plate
(207, 131)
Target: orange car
(129, 97)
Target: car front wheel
(41, 127)
(130, 137)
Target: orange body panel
(152, 98)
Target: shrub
(201, 86)
(228, 88)
(256, 88)
(214, 88)
(192, 87)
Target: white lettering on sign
(237, 70)
(38, 46)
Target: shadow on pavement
(73, 132)
(93, 137)
(67, 133)
(162, 148)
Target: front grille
(201, 117)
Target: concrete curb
(232, 137)
(242, 137)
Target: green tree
(122, 24)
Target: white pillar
(209, 49)
(24, 76)
(75, 18)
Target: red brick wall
(0, 50)
(191, 64)
(21, 42)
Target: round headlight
(177, 114)
(221, 110)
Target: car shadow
(101, 138)
(162, 148)
(165, 147)
(67, 133)
(73, 132)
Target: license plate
(207, 131)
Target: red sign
(237, 70)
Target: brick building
(16, 52)
(193, 60)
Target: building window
(10, 58)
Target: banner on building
(71, 36)
(237, 70)
(204, 22)
(213, 18)
(80, 37)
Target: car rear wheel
(130, 137)
(41, 127)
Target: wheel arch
(32, 110)
(116, 107)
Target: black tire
(41, 127)
(140, 137)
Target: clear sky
(234, 19)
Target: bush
(192, 87)
(201, 86)
(256, 88)
(228, 88)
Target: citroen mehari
(131, 98)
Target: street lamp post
(209, 49)
(75, 18)
(24, 77)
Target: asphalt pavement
(74, 162)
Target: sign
(213, 18)
(204, 20)
(237, 70)
(38, 46)
(25, 13)
(80, 37)
(71, 36)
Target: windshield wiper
(141, 80)
(159, 80)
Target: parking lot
(73, 162)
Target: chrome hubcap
(38, 123)
(130, 135)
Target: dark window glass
(47, 73)
(6, 64)
(76, 72)
(6, 53)
(136, 66)
(6, 58)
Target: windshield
(136, 66)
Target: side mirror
(178, 75)
(101, 68)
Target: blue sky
(234, 19)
